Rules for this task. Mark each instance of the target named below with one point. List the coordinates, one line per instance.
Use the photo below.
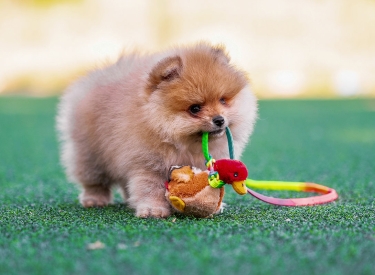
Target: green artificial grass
(44, 230)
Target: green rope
(205, 146)
(230, 142)
(207, 155)
(214, 180)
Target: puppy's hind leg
(96, 185)
(95, 196)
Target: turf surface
(44, 230)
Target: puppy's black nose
(218, 121)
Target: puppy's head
(194, 90)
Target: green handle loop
(207, 155)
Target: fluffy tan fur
(128, 123)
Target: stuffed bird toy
(189, 190)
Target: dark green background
(44, 230)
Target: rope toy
(200, 193)
(327, 194)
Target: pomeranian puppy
(126, 124)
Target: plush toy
(200, 193)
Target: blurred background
(290, 48)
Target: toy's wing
(177, 203)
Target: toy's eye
(195, 109)
(223, 101)
(235, 174)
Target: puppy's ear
(221, 54)
(166, 70)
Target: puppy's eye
(223, 101)
(195, 109)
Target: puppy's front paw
(149, 211)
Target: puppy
(126, 124)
